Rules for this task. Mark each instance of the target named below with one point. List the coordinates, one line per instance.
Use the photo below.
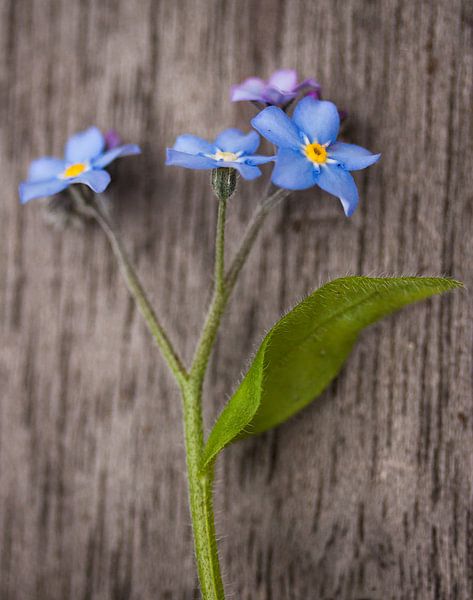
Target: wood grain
(365, 495)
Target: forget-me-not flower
(308, 153)
(281, 88)
(112, 139)
(232, 148)
(84, 161)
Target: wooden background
(365, 495)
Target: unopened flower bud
(224, 181)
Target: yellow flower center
(225, 156)
(316, 153)
(74, 170)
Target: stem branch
(250, 236)
(94, 210)
(191, 382)
(218, 303)
(200, 484)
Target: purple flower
(84, 161)
(308, 153)
(281, 88)
(112, 139)
(232, 148)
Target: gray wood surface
(368, 493)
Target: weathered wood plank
(92, 487)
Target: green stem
(200, 484)
(94, 210)
(250, 236)
(191, 383)
(217, 305)
(200, 497)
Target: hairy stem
(218, 303)
(191, 382)
(93, 209)
(250, 236)
(200, 484)
(200, 496)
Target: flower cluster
(307, 152)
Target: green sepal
(224, 181)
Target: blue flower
(281, 88)
(232, 148)
(84, 161)
(308, 154)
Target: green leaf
(306, 349)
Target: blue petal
(45, 168)
(84, 146)
(191, 144)
(319, 119)
(335, 180)
(352, 157)
(234, 140)
(189, 161)
(108, 157)
(29, 190)
(246, 171)
(293, 171)
(257, 159)
(96, 179)
(277, 127)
